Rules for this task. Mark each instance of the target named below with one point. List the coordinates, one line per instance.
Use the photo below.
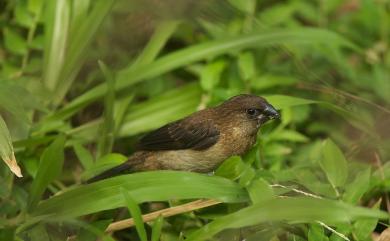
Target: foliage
(81, 80)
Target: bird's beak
(269, 113)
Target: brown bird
(201, 141)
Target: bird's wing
(181, 135)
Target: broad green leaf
(300, 209)
(7, 150)
(364, 227)
(143, 187)
(360, 185)
(231, 168)
(135, 212)
(247, 176)
(50, 167)
(260, 191)
(309, 180)
(14, 42)
(334, 164)
(316, 233)
(342, 228)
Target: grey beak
(271, 112)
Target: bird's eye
(253, 112)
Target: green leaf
(301, 209)
(358, 187)
(85, 157)
(130, 76)
(160, 110)
(260, 191)
(364, 227)
(157, 41)
(231, 168)
(56, 37)
(247, 176)
(93, 230)
(143, 187)
(284, 101)
(104, 163)
(157, 228)
(316, 233)
(288, 135)
(211, 74)
(35, 6)
(120, 109)
(7, 150)
(22, 16)
(78, 43)
(246, 65)
(18, 101)
(14, 42)
(268, 81)
(38, 233)
(79, 13)
(107, 128)
(135, 212)
(334, 164)
(50, 167)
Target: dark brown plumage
(201, 141)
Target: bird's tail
(123, 168)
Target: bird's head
(250, 109)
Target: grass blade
(50, 167)
(108, 126)
(80, 39)
(57, 23)
(130, 76)
(300, 209)
(83, 155)
(135, 212)
(157, 228)
(143, 186)
(7, 150)
(155, 44)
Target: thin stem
(167, 212)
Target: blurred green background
(81, 81)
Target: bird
(201, 141)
